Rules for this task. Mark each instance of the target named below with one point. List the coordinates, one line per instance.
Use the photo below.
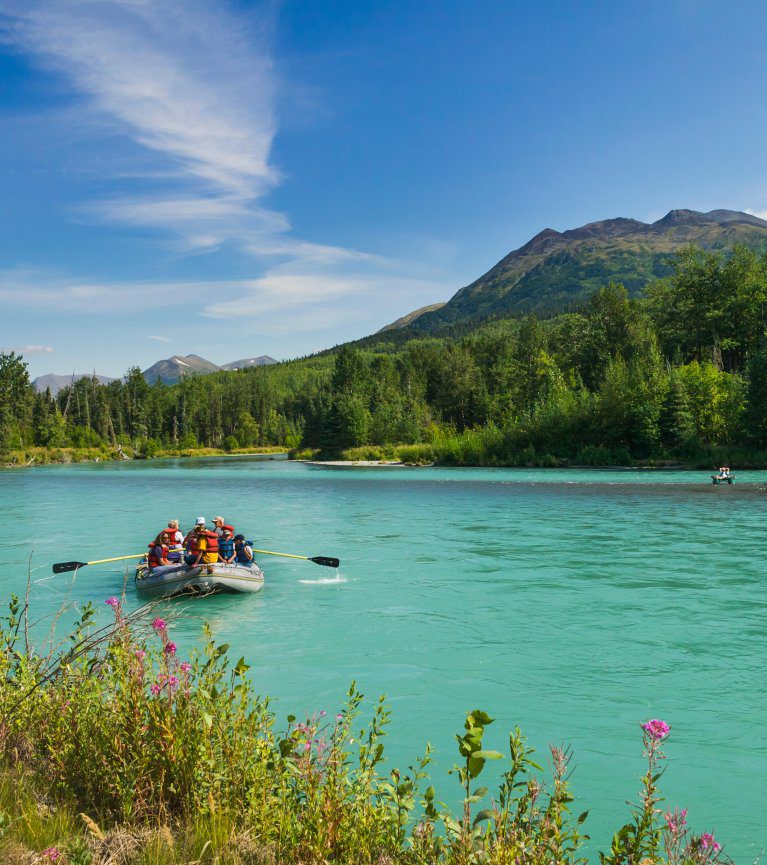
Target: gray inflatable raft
(170, 580)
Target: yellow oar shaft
(287, 555)
(117, 559)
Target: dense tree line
(674, 374)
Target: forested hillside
(675, 374)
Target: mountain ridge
(556, 269)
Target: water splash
(325, 581)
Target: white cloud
(190, 81)
(280, 302)
(29, 349)
(299, 293)
(193, 84)
(762, 214)
(41, 290)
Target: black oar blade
(62, 567)
(325, 560)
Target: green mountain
(557, 270)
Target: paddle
(318, 560)
(62, 567)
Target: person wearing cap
(243, 551)
(190, 542)
(226, 545)
(219, 525)
(205, 545)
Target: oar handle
(287, 555)
(117, 559)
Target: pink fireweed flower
(52, 854)
(339, 717)
(140, 654)
(655, 729)
(185, 666)
(155, 690)
(112, 602)
(170, 649)
(323, 713)
(707, 841)
(677, 820)
(159, 624)
(308, 746)
(172, 682)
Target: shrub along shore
(38, 456)
(115, 749)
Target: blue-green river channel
(572, 603)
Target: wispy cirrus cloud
(190, 81)
(28, 349)
(193, 84)
(281, 302)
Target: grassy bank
(114, 749)
(45, 456)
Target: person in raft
(219, 525)
(158, 551)
(243, 550)
(203, 547)
(226, 551)
(175, 541)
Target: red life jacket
(212, 539)
(172, 535)
(154, 562)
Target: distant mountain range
(174, 368)
(556, 270)
(169, 371)
(57, 382)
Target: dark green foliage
(757, 395)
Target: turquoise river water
(573, 603)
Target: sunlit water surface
(572, 603)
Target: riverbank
(33, 456)
(468, 455)
(123, 751)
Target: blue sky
(238, 178)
